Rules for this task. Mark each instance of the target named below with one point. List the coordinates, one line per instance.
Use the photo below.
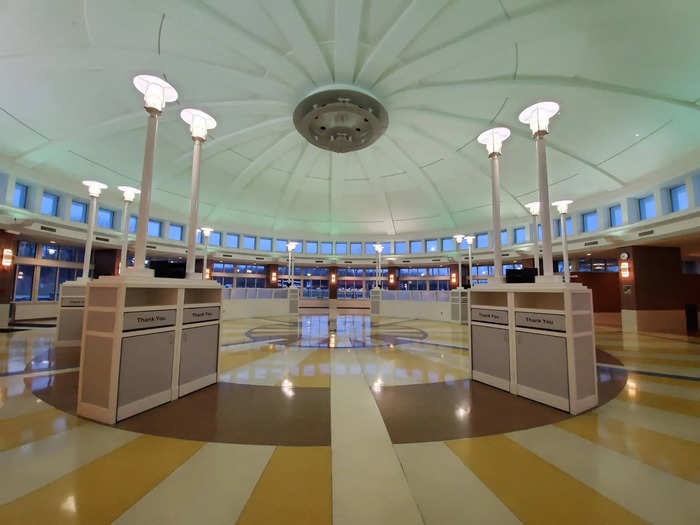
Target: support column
(194, 209)
(496, 217)
(652, 296)
(333, 283)
(7, 275)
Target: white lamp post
(470, 241)
(199, 123)
(206, 232)
(563, 208)
(378, 248)
(94, 190)
(291, 246)
(493, 140)
(534, 209)
(129, 194)
(538, 116)
(459, 238)
(156, 92)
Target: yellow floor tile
(671, 454)
(18, 430)
(295, 488)
(102, 490)
(533, 489)
(679, 405)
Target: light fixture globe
(206, 231)
(533, 208)
(291, 246)
(470, 239)
(459, 238)
(94, 188)
(340, 118)
(562, 206)
(379, 248)
(199, 122)
(493, 139)
(129, 193)
(156, 92)
(538, 115)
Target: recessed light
(636, 134)
(589, 254)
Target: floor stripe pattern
(635, 459)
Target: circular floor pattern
(268, 415)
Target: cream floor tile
(270, 370)
(448, 492)
(641, 383)
(654, 495)
(16, 399)
(369, 486)
(212, 486)
(679, 425)
(660, 369)
(31, 466)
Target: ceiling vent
(590, 243)
(48, 229)
(227, 255)
(103, 239)
(340, 118)
(260, 258)
(347, 262)
(319, 262)
(645, 233)
(151, 246)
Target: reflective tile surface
(354, 420)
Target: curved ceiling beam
(518, 132)
(378, 188)
(101, 129)
(257, 50)
(549, 80)
(460, 157)
(419, 177)
(292, 25)
(245, 177)
(295, 181)
(224, 142)
(413, 19)
(452, 52)
(348, 20)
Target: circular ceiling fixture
(340, 118)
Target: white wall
(242, 308)
(430, 310)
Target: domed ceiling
(625, 72)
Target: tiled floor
(634, 459)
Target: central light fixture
(340, 118)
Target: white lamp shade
(562, 206)
(94, 187)
(291, 246)
(533, 208)
(156, 91)
(470, 239)
(129, 192)
(493, 139)
(199, 122)
(378, 248)
(538, 115)
(459, 238)
(206, 231)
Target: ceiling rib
(379, 189)
(517, 132)
(460, 157)
(452, 52)
(274, 60)
(226, 141)
(292, 25)
(400, 34)
(348, 16)
(549, 80)
(305, 162)
(245, 177)
(419, 177)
